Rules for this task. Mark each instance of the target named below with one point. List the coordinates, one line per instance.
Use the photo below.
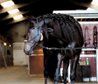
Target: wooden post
(2, 53)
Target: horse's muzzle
(28, 52)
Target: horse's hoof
(55, 82)
(72, 82)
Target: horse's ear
(34, 23)
(47, 20)
(41, 23)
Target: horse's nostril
(27, 53)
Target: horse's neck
(54, 38)
(52, 41)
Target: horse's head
(34, 35)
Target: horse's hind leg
(57, 73)
(74, 63)
(65, 69)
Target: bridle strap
(35, 36)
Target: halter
(34, 41)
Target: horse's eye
(33, 27)
(25, 41)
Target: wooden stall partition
(36, 62)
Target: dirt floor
(20, 75)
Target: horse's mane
(65, 27)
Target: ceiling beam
(3, 10)
(11, 16)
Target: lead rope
(67, 48)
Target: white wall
(19, 57)
(18, 31)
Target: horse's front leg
(45, 82)
(45, 66)
(57, 73)
(74, 63)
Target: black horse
(62, 41)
